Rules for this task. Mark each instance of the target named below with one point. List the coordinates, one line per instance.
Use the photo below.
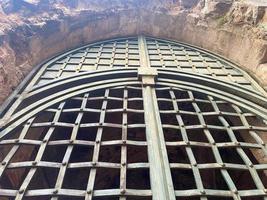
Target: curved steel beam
(41, 98)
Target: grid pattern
(126, 53)
(112, 54)
(134, 142)
(83, 148)
(169, 55)
(211, 146)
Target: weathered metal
(125, 123)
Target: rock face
(34, 30)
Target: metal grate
(163, 54)
(86, 146)
(210, 145)
(111, 54)
(123, 53)
(145, 123)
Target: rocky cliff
(33, 30)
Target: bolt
(21, 191)
(4, 163)
(89, 192)
(64, 163)
(97, 141)
(94, 163)
(123, 141)
(235, 191)
(123, 191)
(237, 143)
(55, 191)
(71, 141)
(222, 164)
(44, 140)
(17, 140)
(34, 163)
(202, 192)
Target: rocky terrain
(34, 30)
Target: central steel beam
(160, 174)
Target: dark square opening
(183, 179)
(90, 117)
(114, 104)
(138, 179)
(205, 107)
(203, 154)
(87, 133)
(177, 154)
(212, 120)
(36, 133)
(190, 119)
(196, 135)
(168, 118)
(165, 105)
(13, 178)
(107, 178)
(136, 154)
(230, 155)
(111, 133)
(220, 135)
(135, 93)
(95, 103)
(186, 106)
(136, 134)
(81, 154)
(172, 134)
(213, 179)
(68, 117)
(110, 154)
(44, 116)
(135, 118)
(61, 133)
(21, 155)
(242, 179)
(135, 104)
(44, 177)
(72, 103)
(54, 153)
(116, 93)
(76, 178)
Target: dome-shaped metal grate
(126, 53)
(144, 130)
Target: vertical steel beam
(160, 174)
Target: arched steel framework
(135, 118)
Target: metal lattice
(146, 123)
(125, 53)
